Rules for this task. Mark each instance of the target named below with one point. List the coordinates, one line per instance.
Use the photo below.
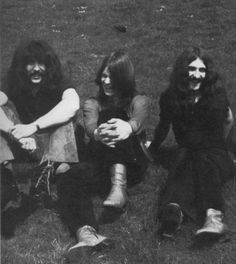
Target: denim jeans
(57, 144)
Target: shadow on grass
(16, 213)
(207, 240)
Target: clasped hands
(113, 131)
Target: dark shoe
(170, 220)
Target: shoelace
(44, 178)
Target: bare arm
(3, 98)
(5, 123)
(60, 114)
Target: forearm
(62, 112)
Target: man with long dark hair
(196, 105)
(115, 123)
(46, 103)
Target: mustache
(194, 79)
(37, 72)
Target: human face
(106, 82)
(196, 73)
(35, 72)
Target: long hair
(179, 77)
(178, 91)
(28, 52)
(122, 78)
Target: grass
(83, 32)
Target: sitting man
(46, 103)
(115, 121)
(197, 107)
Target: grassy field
(83, 32)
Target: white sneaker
(213, 223)
(88, 236)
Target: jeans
(57, 144)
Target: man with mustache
(196, 106)
(46, 103)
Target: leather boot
(213, 223)
(89, 242)
(118, 196)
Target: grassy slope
(82, 32)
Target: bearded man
(196, 105)
(46, 103)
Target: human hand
(105, 136)
(22, 131)
(113, 131)
(121, 129)
(28, 144)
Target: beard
(195, 83)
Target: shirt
(197, 123)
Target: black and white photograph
(118, 132)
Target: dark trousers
(75, 189)
(91, 177)
(195, 182)
(80, 184)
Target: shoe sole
(83, 253)
(171, 221)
